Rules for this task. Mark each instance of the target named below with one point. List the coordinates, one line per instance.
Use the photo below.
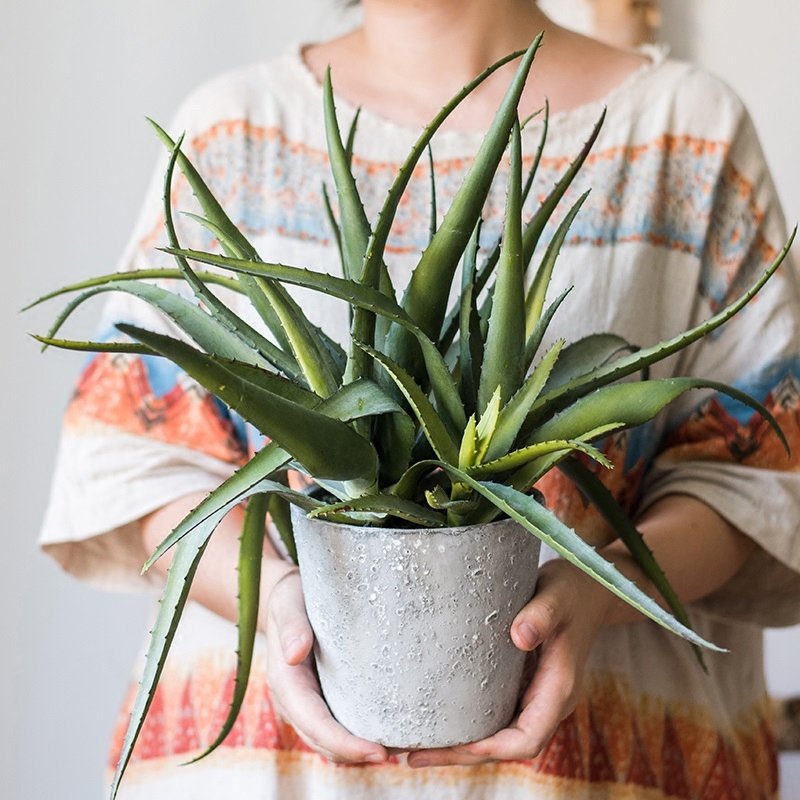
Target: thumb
(540, 618)
(287, 613)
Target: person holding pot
(682, 215)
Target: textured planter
(412, 626)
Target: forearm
(698, 550)
(215, 582)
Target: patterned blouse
(682, 216)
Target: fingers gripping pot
(412, 626)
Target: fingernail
(419, 762)
(527, 634)
(375, 758)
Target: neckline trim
(656, 53)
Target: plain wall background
(77, 80)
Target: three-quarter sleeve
(716, 449)
(138, 433)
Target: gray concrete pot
(412, 626)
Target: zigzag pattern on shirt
(613, 738)
(676, 192)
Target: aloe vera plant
(428, 416)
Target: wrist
(583, 598)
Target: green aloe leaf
(351, 137)
(280, 515)
(334, 349)
(170, 608)
(409, 482)
(439, 499)
(129, 348)
(434, 214)
(224, 315)
(334, 226)
(201, 327)
(514, 413)
(355, 227)
(518, 458)
(251, 553)
(270, 381)
(383, 504)
(317, 366)
(350, 291)
(229, 233)
(250, 285)
(435, 430)
(470, 343)
(311, 356)
(601, 498)
(285, 318)
(136, 275)
(253, 478)
(356, 233)
(395, 436)
(545, 525)
(210, 205)
(332, 221)
(468, 451)
(354, 400)
(425, 298)
(633, 404)
(360, 399)
(551, 402)
(534, 341)
(445, 389)
(487, 425)
(377, 244)
(534, 300)
(503, 366)
(586, 354)
(232, 239)
(526, 477)
(365, 297)
(481, 278)
(535, 228)
(537, 159)
(327, 447)
(188, 552)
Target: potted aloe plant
(422, 437)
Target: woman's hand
(562, 620)
(293, 679)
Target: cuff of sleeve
(764, 505)
(102, 487)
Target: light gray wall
(77, 80)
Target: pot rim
(450, 529)
(412, 531)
